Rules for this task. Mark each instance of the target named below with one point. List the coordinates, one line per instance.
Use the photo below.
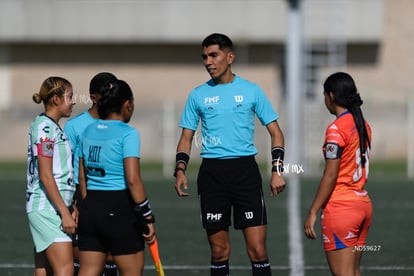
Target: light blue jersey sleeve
(190, 116)
(263, 108)
(132, 144)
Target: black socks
(261, 268)
(219, 268)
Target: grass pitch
(183, 246)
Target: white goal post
(410, 138)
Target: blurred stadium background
(155, 46)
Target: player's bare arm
(82, 178)
(277, 181)
(136, 187)
(325, 189)
(46, 176)
(182, 157)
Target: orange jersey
(342, 141)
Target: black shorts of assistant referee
(77, 198)
(107, 223)
(235, 183)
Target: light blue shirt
(74, 129)
(227, 113)
(104, 146)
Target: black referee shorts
(235, 183)
(77, 198)
(107, 223)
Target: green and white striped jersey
(47, 139)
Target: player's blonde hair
(51, 86)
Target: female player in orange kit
(346, 206)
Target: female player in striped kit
(50, 180)
(346, 206)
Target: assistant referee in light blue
(115, 215)
(74, 129)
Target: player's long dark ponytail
(113, 95)
(346, 95)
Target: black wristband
(182, 157)
(278, 153)
(278, 168)
(144, 208)
(178, 169)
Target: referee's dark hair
(113, 96)
(99, 80)
(346, 95)
(223, 41)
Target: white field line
(242, 268)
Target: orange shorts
(345, 224)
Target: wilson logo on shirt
(238, 98)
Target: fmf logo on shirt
(211, 100)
